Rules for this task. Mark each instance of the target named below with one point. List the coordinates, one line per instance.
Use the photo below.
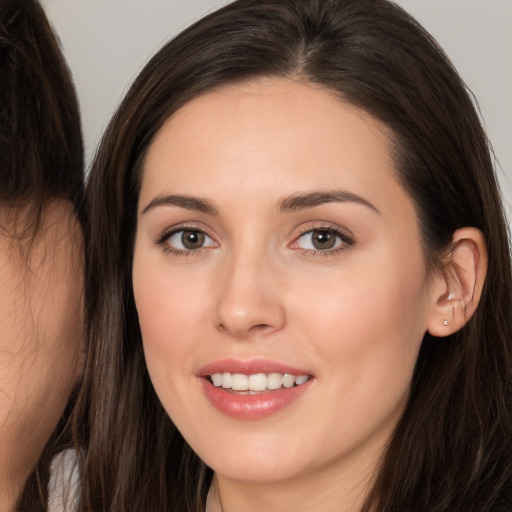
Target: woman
(41, 257)
(299, 275)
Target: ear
(458, 287)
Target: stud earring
(450, 297)
(445, 323)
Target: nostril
(222, 328)
(244, 332)
(259, 327)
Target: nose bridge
(248, 300)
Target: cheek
(170, 308)
(367, 325)
(58, 307)
(170, 328)
(363, 333)
(41, 337)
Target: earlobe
(460, 285)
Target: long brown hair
(451, 451)
(41, 155)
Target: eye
(322, 239)
(188, 240)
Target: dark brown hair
(41, 154)
(40, 133)
(451, 451)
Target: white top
(64, 484)
(213, 503)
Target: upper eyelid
(187, 226)
(167, 232)
(319, 225)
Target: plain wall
(106, 42)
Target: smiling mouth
(240, 383)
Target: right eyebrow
(312, 199)
(187, 202)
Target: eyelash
(346, 241)
(169, 249)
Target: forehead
(271, 104)
(272, 138)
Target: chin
(255, 462)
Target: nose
(249, 301)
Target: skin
(353, 318)
(41, 335)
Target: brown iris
(323, 239)
(192, 239)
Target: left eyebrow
(312, 199)
(186, 202)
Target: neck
(17, 461)
(340, 487)
(11, 486)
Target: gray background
(107, 42)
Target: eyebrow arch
(312, 199)
(187, 202)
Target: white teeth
(301, 379)
(226, 380)
(257, 382)
(288, 380)
(274, 380)
(239, 382)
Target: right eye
(184, 240)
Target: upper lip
(249, 367)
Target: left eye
(320, 240)
(189, 240)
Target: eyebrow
(312, 199)
(187, 202)
(290, 204)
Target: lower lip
(252, 407)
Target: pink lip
(251, 407)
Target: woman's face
(275, 248)
(41, 332)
